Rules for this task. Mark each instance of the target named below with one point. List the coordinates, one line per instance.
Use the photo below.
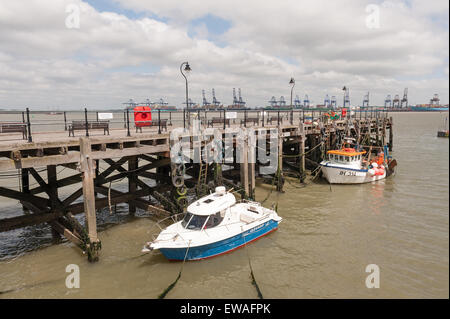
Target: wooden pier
(301, 146)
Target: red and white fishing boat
(348, 166)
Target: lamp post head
(292, 82)
(187, 68)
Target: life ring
(182, 201)
(177, 181)
(180, 169)
(181, 191)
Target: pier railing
(31, 122)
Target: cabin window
(214, 220)
(209, 200)
(347, 159)
(341, 158)
(194, 222)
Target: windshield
(193, 222)
(214, 220)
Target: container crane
(388, 101)
(396, 102)
(404, 99)
(273, 102)
(306, 102)
(366, 100)
(297, 102)
(327, 101)
(205, 102)
(215, 101)
(333, 102)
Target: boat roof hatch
(213, 203)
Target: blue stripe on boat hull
(220, 247)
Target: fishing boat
(348, 166)
(214, 225)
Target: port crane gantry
(327, 101)
(396, 102)
(366, 100)
(205, 102)
(297, 102)
(404, 99)
(388, 101)
(333, 102)
(130, 104)
(273, 102)
(214, 100)
(435, 101)
(306, 101)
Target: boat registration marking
(347, 173)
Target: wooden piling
(132, 167)
(391, 134)
(25, 179)
(88, 172)
(244, 166)
(252, 172)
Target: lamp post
(292, 84)
(187, 69)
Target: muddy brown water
(326, 240)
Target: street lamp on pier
(292, 84)
(187, 70)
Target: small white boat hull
(342, 175)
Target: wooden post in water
(244, 166)
(391, 134)
(87, 170)
(132, 186)
(53, 194)
(25, 176)
(301, 150)
(280, 161)
(252, 161)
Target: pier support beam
(279, 176)
(252, 172)
(391, 134)
(53, 195)
(132, 167)
(25, 177)
(244, 166)
(302, 168)
(88, 172)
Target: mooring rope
(308, 151)
(170, 287)
(254, 283)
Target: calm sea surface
(321, 250)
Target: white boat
(214, 225)
(348, 166)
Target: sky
(71, 54)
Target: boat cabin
(345, 156)
(209, 211)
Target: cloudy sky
(69, 54)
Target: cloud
(258, 46)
